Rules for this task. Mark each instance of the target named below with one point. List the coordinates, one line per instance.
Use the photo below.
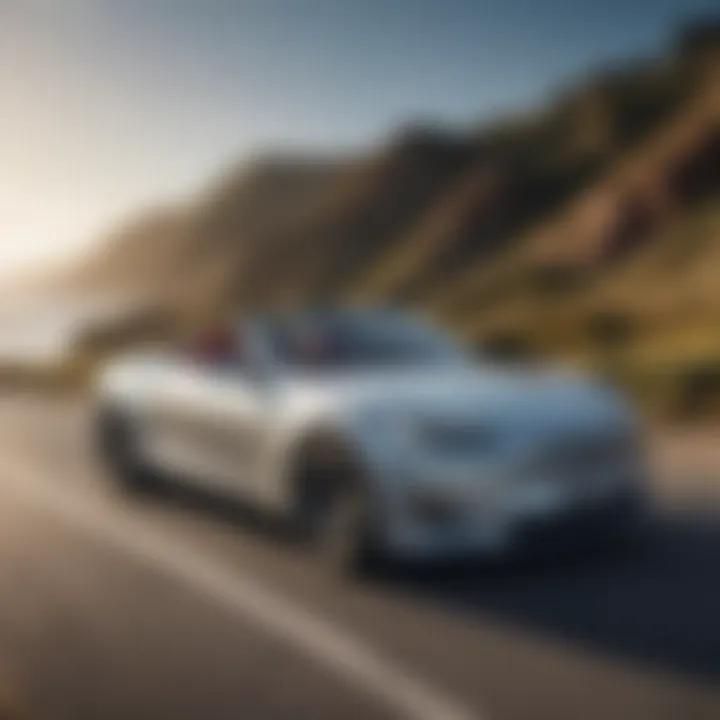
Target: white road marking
(324, 641)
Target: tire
(118, 451)
(334, 510)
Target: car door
(227, 416)
(211, 422)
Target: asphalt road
(117, 607)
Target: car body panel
(493, 448)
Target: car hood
(530, 398)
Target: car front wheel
(334, 510)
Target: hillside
(531, 231)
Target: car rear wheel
(118, 449)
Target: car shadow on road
(657, 604)
(171, 490)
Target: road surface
(115, 607)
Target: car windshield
(333, 339)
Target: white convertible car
(374, 433)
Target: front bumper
(584, 522)
(613, 519)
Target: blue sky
(106, 105)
